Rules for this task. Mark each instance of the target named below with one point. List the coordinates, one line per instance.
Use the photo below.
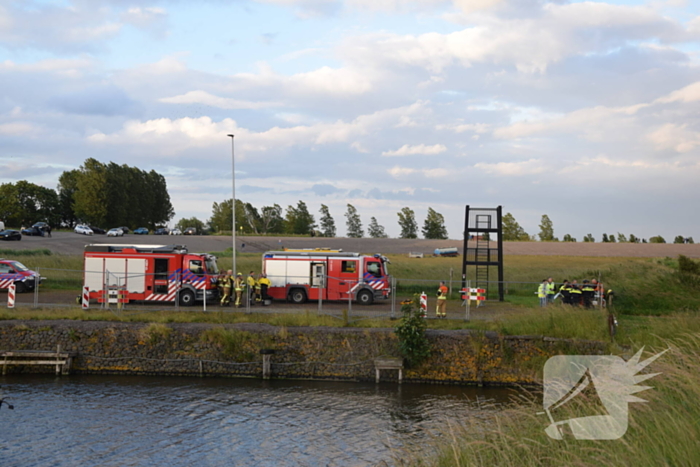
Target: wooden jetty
(388, 363)
(61, 360)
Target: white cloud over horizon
(535, 106)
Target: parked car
(24, 278)
(33, 232)
(124, 229)
(83, 229)
(141, 231)
(10, 235)
(190, 231)
(98, 230)
(115, 232)
(162, 231)
(176, 231)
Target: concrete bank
(198, 349)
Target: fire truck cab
(158, 273)
(301, 275)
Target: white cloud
(419, 149)
(690, 93)
(528, 167)
(675, 136)
(203, 97)
(17, 128)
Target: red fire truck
(301, 275)
(157, 273)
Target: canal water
(154, 421)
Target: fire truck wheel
(186, 298)
(365, 297)
(20, 287)
(297, 296)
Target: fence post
(37, 279)
(392, 290)
(467, 299)
(86, 298)
(11, 291)
(204, 292)
(321, 281)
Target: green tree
(434, 226)
(512, 232)
(588, 238)
(185, 223)
(26, 203)
(634, 238)
(327, 222)
(271, 219)
(408, 224)
(252, 218)
(621, 238)
(298, 220)
(375, 230)
(67, 186)
(353, 223)
(546, 229)
(611, 238)
(657, 239)
(679, 239)
(605, 238)
(221, 216)
(569, 238)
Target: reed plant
(662, 432)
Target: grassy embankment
(644, 288)
(662, 432)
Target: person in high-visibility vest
(542, 293)
(550, 290)
(226, 286)
(440, 311)
(238, 286)
(251, 287)
(264, 284)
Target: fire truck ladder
(482, 253)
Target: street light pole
(233, 203)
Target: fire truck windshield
(18, 266)
(374, 268)
(212, 268)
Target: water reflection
(144, 421)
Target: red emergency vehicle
(301, 275)
(14, 272)
(152, 273)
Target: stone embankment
(346, 354)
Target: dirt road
(73, 244)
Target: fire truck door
(318, 276)
(342, 278)
(160, 277)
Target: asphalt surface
(69, 243)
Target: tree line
(96, 194)
(297, 220)
(512, 231)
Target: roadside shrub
(413, 343)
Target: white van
(2, 225)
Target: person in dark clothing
(576, 294)
(587, 291)
(565, 292)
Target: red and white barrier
(86, 297)
(11, 296)
(424, 304)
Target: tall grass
(37, 252)
(664, 431)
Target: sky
(588, 112)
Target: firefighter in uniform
(565, 292)
(251, 287)
(440, 311)
(238, 286)
(576, 294)
(588, 291)
(264, 283)
(226, 286)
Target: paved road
(73, 244)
